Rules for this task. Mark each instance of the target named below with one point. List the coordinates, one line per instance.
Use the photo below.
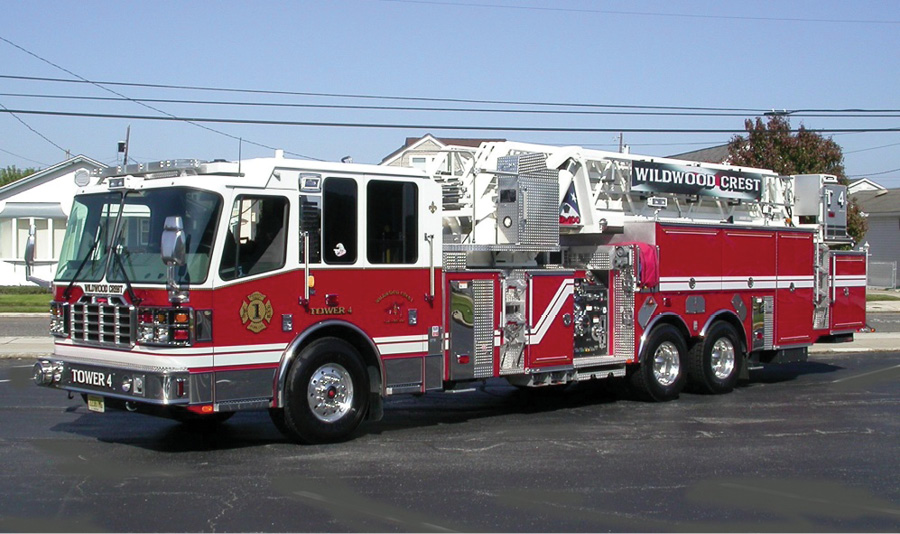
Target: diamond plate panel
(483, 293)
(624, 316)
(533, 201)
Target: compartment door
(471, 318)
(794, 294)
(848, 291)
(550, 320)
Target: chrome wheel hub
(666, 364)
(330, 392)
(722, 358)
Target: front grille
(103, 321)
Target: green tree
(771, 145)
(11, 174)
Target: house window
(14, 234)
(6, 233)
(420, 162)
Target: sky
(564, 72)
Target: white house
(42, 199)
(863, 184)
(428, 152)
(882, 207)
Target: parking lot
(803, 447)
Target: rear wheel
(660, 375)
(714, 363)
(327, 392)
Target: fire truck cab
(314, 290)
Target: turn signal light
(59, 319)
(170, 327)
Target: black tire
(327, 392)
(714, 363)
(277, 417)
(660, 375)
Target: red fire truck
(315, 290)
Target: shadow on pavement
(784, 372)
(493, 398)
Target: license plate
(91, 378)
(96, 404)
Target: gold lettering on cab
(256, 312)
(333, 310)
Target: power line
(873, 173)
(23, 157)
(42, 136)
(642, 13)
(871, 148)
(100, 86)
(389, 97)
(722, 111)
(169, 117)
(823, 114)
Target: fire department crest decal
(256, 312)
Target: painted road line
(854, 377)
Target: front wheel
(660, 375)
(327, 392)
(714, 363)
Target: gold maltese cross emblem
(256, 312)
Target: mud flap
(376, 401)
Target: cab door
(255, 297)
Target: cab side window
(392, 222)
(339, 220)
(256, 241)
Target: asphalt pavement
(800, 447)
(809, 447)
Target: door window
(256, 237)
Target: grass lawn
(25, 303)
(875, 297)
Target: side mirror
(29, 261)
(174, 249)
(174, 243)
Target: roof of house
(855, 184)
(445, 141)
(881, 202)
(713, 154)
(46, 174)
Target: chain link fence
(882, 274)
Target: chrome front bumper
(152, 386)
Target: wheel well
(731, 319)
(344, 331)
(669, 319)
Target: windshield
(137, 246)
